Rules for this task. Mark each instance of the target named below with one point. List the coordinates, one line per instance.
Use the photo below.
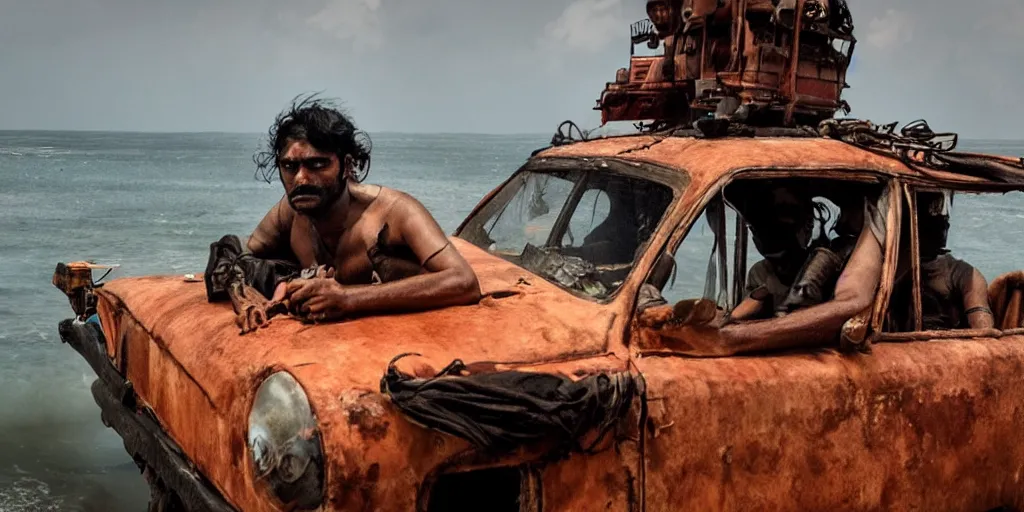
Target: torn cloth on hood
(501, 411)
(229, 263)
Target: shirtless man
(329, 219)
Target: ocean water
(153, 203)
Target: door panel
(926, 426)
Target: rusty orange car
(575, 253)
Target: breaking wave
(39, 152)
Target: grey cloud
(446, 65)
(586, 25)
(949, 62)
(891, 28)
(355, 20)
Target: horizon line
(228, 132)
(381, 132)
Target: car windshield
(581, 230)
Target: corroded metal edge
(143, 437)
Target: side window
(697, 267)
(988, 231)
(961, 267)
(785, 243)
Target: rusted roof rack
(921, 149)
(916, 145)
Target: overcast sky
(491, 66)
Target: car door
(895, 425)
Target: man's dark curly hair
(321, 123)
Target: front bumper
(144, 439)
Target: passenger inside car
(820, 324)
(954, 295)
(781, 221)
(811, 320)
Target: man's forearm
(821, 324)
(426, 291)
(815, 326)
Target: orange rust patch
(366, 414)
(922, 425)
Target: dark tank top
(943, 283)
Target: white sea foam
(28, 494)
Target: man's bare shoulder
(389, 203)
(407, 216)
(284, 210)
(406, 203)
(273, 229)
(284, 215)
(366, 193)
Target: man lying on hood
(382, 250)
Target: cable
(561, 139)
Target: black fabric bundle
(229, 263)
(501, 411)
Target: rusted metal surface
(779, 61)
(1006, 297)
(794, 62)
(608, 480)
(187, 362)
(890, 263)
(915, 258)
(957, 334)
(913, 426)
(75, 280)
(143, 438)
(707, 161)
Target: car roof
(707, 160)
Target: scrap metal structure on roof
(764, 68)
(762, 62)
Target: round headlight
(284, 443)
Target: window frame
(908, 192)
(872, 317)
(677, 180)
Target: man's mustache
(308, 190)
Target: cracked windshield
(579, 230)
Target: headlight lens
(284, 443)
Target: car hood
(189, 364)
